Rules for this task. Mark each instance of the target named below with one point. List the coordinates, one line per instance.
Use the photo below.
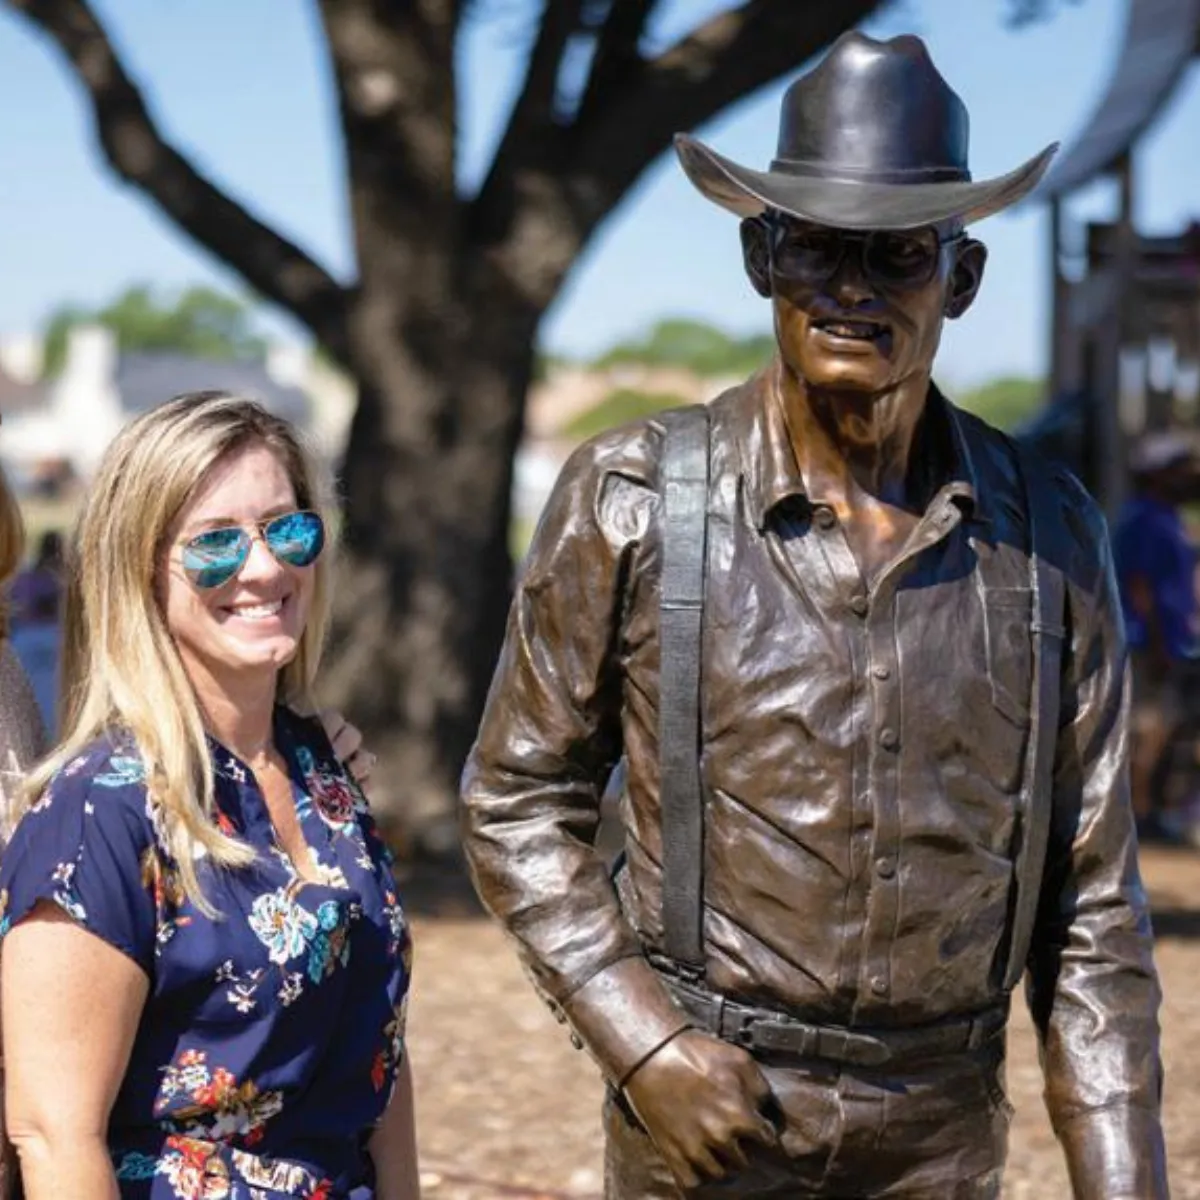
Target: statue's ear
(756, 254)
(965, 278)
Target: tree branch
(394, 69)
(1021, 13)
(532, 138)
(728, 57)
(617, 58)
(274, 267)
(533, 113)
(535, 103)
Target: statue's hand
(700, 1099)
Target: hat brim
(853, 204)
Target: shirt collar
(769, 471)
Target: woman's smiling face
(253, 623)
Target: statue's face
(860, 312)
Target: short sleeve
(82, 846)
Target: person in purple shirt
(1156, 572)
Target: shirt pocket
(1008, 615)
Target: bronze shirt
(862, 752)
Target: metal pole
(1111, 441)
(1058, 302)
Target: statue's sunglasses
(895, 259)
(214, 557)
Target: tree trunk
(424, 582)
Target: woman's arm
(70, 1006)
(393, 1145)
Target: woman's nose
(260, 562)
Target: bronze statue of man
(863, 659)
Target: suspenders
(1037, 789)
(684, 497)
(681, 614)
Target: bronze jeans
(935, 1133)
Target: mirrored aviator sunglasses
(214, 557)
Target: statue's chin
(852, 387)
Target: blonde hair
(12, 543)
(120, 668)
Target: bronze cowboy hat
(872, 138)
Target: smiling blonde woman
(205, 962)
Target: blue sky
(243, 87)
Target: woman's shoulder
(85, 844)
(105, 777)
(110, 762)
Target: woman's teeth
(257, 612)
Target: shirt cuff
(623, 1014)
(1116, 1153)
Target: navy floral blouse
(271, 1036)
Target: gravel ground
(506, 1108)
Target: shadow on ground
(1172, 875)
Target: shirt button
(860, 606)
(881, 671)
(885, 866)
(879, 985)
(889, 739)
(824, 517)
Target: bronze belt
(769, 1031)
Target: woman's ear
(756, 254)
(965, 278)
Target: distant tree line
(695, 346)
(200, 322)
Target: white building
(71, 419)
